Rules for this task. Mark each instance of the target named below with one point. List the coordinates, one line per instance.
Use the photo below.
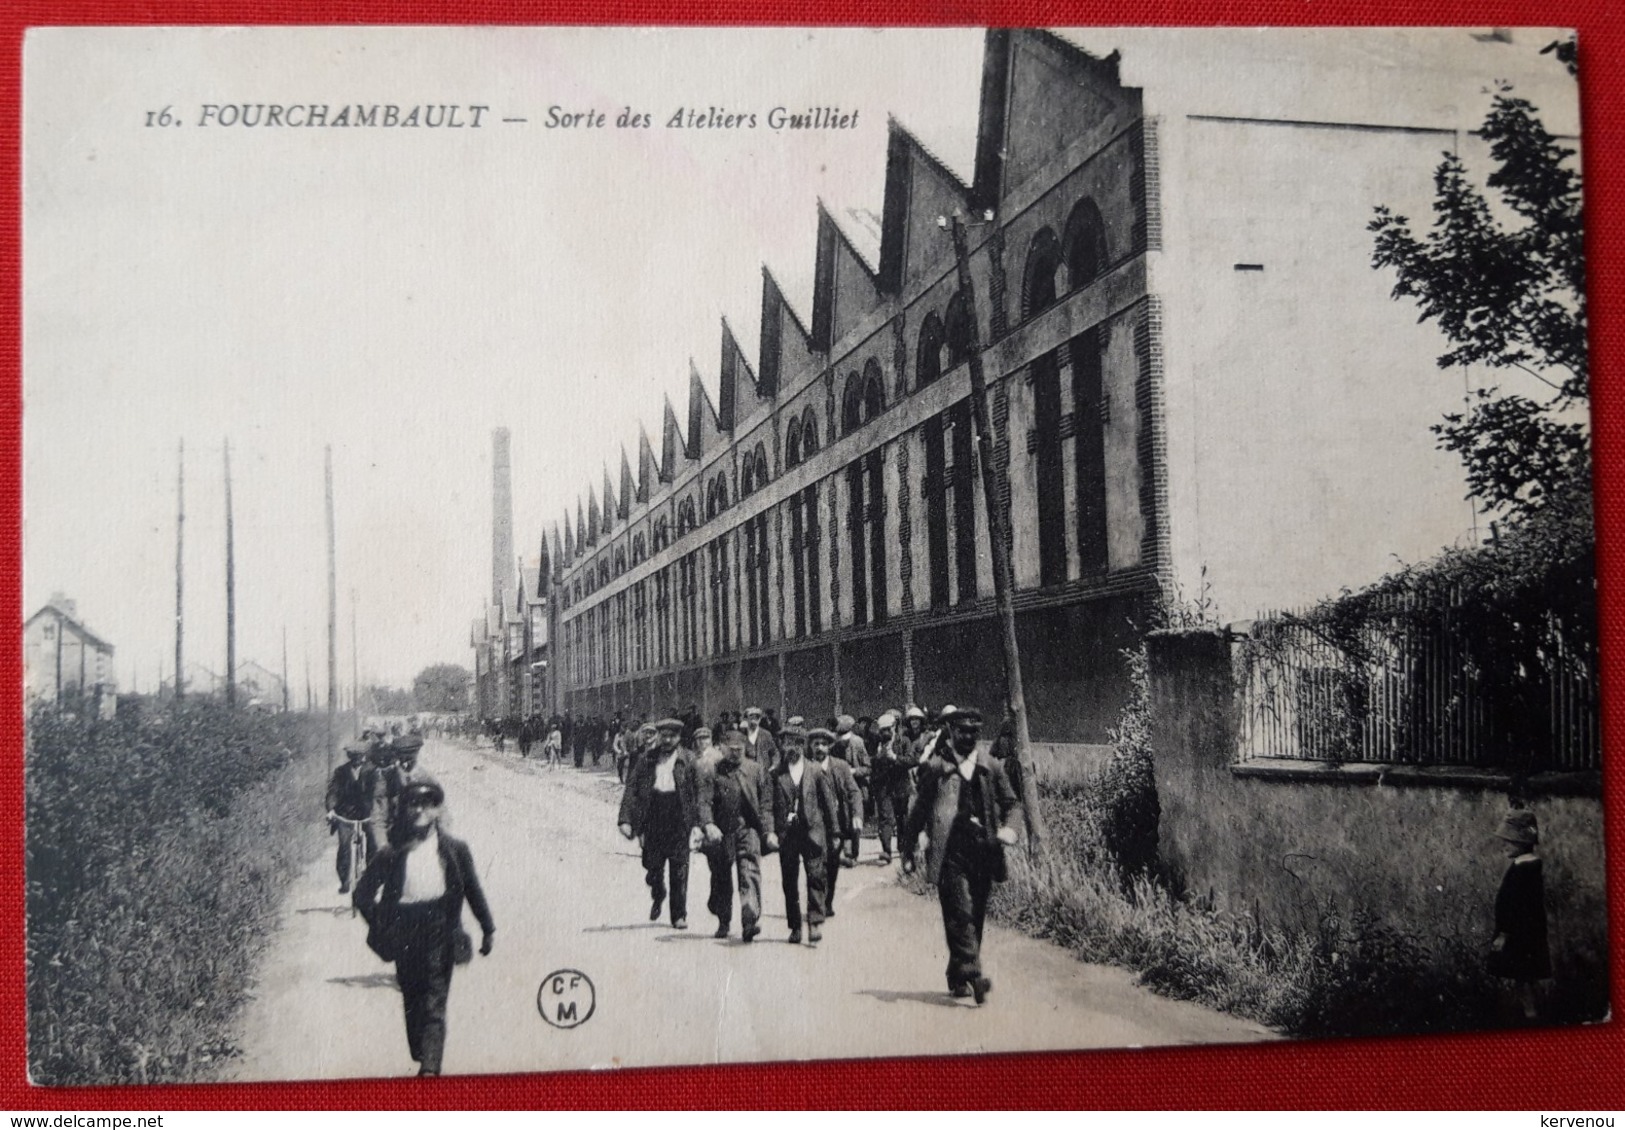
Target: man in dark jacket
(848, 811)
(892, 777)
(353, 794)
(806, 823)
(760, 745)
(736, 816)
(411, 897)
(967, 808)
(661, 804)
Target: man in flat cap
(968, 810)
(353, 797)
(760, 745)
(736, 815)
(892, 778)
(411, 897)
(805, 824)
(661, 804)
(403, 771)
(848, 812)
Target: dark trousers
(791, 862)
(721, 899)
(832, 873)
(962, 891)
(580, 752)
(369, 831)
(891, 809)
(423, 968)
(654, 873)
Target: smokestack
(501, 517)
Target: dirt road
(567, 893)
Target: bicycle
(357, 863)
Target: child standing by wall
(1519, 951)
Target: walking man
(805, 823)
(661, 804)
(848, 813)
(411, 897)
(969, 812)
(733, 811)
(760, 746)
(892, 777)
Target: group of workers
(741, 794)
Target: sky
(398, 293)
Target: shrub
(159, 847)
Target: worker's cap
(1520, 827)
(669, 726)
(914, 712)
(425, 790)
(796, 720)
(647, 728)
(732, 735)
(408, 743)
(356, 748)
(820, 734)
(793, 735)
(887, 721)
(844, 723)
(702, 732)
(961, 716)
(753, 712)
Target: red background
(1556, 1070)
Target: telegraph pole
(332, 614)
(355, 669)
(998, 526)
(180, 545)
(231, 593)
(284, 668)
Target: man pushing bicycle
(353, 795)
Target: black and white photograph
(557, 548)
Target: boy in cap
(735, 819)
(1519, 951)
(966, 807)
(661, 804)
(805, 825)
(411, 897)
(848, 813)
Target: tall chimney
(501, 518)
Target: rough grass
(159, 849)
(1352, 976)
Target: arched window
(716, 496)
(747, 475)
(1038, 278)
(662, 533)
(1083, 246)
(792, 444)
(762, 474)
(640, 549)
(957, 329)
(928, 357)
(603, 572)
(686, 520)
(620, 561)
(809, 433)
(852, 404)
(874, 391)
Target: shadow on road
(891, 996)
(366, 981)
(342, 911)
(623, 926)
(687, 936)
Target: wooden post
(180, 545)
(231, 593)
(355, 670)
(332, 613)
(998, 528)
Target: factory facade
(1187, 402)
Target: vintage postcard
(567, 548)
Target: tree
(1508, 294)
(442, 688)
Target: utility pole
(231, 593)
(332, 614)
(180, 545)
(355, 669)
(999, 527)
(284, 668)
